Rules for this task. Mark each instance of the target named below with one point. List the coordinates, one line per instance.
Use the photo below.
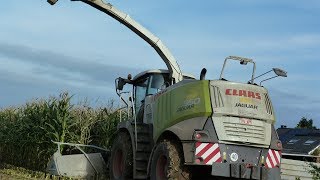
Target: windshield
(157, 83)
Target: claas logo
(243, 93)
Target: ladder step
(144, 147)
(141, 175)
(142, 165)
(143, 139)
(141, 127)
(143, 151)
(140, 156)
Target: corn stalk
(26, 131)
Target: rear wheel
(121, 159)
(167, 162)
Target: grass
(9, 172)
(12, 172)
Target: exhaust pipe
(52, 2)
(203, 74)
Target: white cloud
(306, 40)
(49, 40)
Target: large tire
(121, 159)
(167, 162)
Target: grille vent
(268, 104)
(249, 132)
(217, 100)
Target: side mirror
(277, 71)
(280, 72)
(52, 2)
(120, 83)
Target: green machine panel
(185, 101)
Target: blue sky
(72, 47)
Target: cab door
(147, 85)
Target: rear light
(201, 136)
(198, 136)
(279, 145)
(198, 160)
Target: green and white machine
(179, 127)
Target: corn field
(27, 132)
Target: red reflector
(273, 158)
(208, 152)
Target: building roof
(299, 141)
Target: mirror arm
(262, 74)
(253, 71)
(268, 79)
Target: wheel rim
(118, 164)
(161, 167)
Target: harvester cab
(176, 124)
(144, 84)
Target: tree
(306, 123)
(315, 171)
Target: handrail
(83, 145)
(243, 61)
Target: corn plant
(27, 132)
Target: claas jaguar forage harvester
(178, 127)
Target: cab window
(157, 82)
(140, 92)
(149, 85)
